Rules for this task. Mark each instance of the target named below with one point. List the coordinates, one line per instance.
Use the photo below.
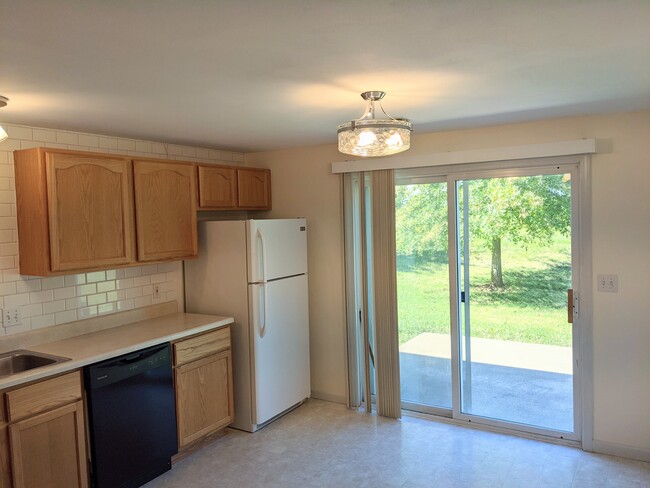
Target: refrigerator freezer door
(276, 249)
(280, 333)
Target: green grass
(531, 308)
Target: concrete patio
(517, 382)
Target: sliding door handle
(570, 305)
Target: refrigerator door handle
(262, 310)
(261, 256)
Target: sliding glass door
(423, 294)
(484, 264)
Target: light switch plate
(608, 283)
(11, 317)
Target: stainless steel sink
(13, 362)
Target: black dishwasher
(131, 417)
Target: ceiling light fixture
(3, 103)
(369, 136)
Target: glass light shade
(373, 137)
(3, 134)
(374, 141)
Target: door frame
(581, 257)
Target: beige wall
(44, 302)
(304, 186)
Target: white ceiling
(256, 75)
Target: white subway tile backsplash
(149, 270)
(26, 286)
(97, 299)
(78, 279)
(77, 302)
(19, 132)
(18, 300)
(31, 310)
(28, 144)
(105, 286)
(12, 275)
(168, 267)
(143, 301)
(107, 142)
(126, 145)
(87, 289)
(9, 249)
(53, 307)
(143, 147)
(53, 282)
(7, 262)
(43, 321)
(61, 293)
(67, 138)
(88, 141)
(131, 272)
(106, 308)
(134, 292)
(43, 135)
(158, 278)
(64, 317)
(8, 288)
(56, 300)
(125, 305)
(124, 283)
(95, 276)
(84, 313)
(7, 171)
(8, 223)
(141, 280)
(41, 296)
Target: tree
(522, 209)
(421, 216)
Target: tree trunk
(496, 274)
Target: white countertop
(104, 344)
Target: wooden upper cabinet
(165, 209)
(90, 202)
(254, 188)
(217, 187)
(75, 211)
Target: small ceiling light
(3, 103)
(369, 136)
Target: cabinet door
(254, 188)
(90, 205)
(49, 450)
(217, 187)
(5, 466)
(204, 401)
(165, 206)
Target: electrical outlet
(156, 291)
(11, 317)
(608, 283)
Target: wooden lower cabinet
(43, 435)
(49, 450)
(204, 388)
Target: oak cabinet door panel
(165, 208)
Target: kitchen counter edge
(109, 343)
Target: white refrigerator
(256, 272)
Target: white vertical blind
(385, 294)
(372, 290)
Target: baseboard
(620, 450)
(328, 397)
